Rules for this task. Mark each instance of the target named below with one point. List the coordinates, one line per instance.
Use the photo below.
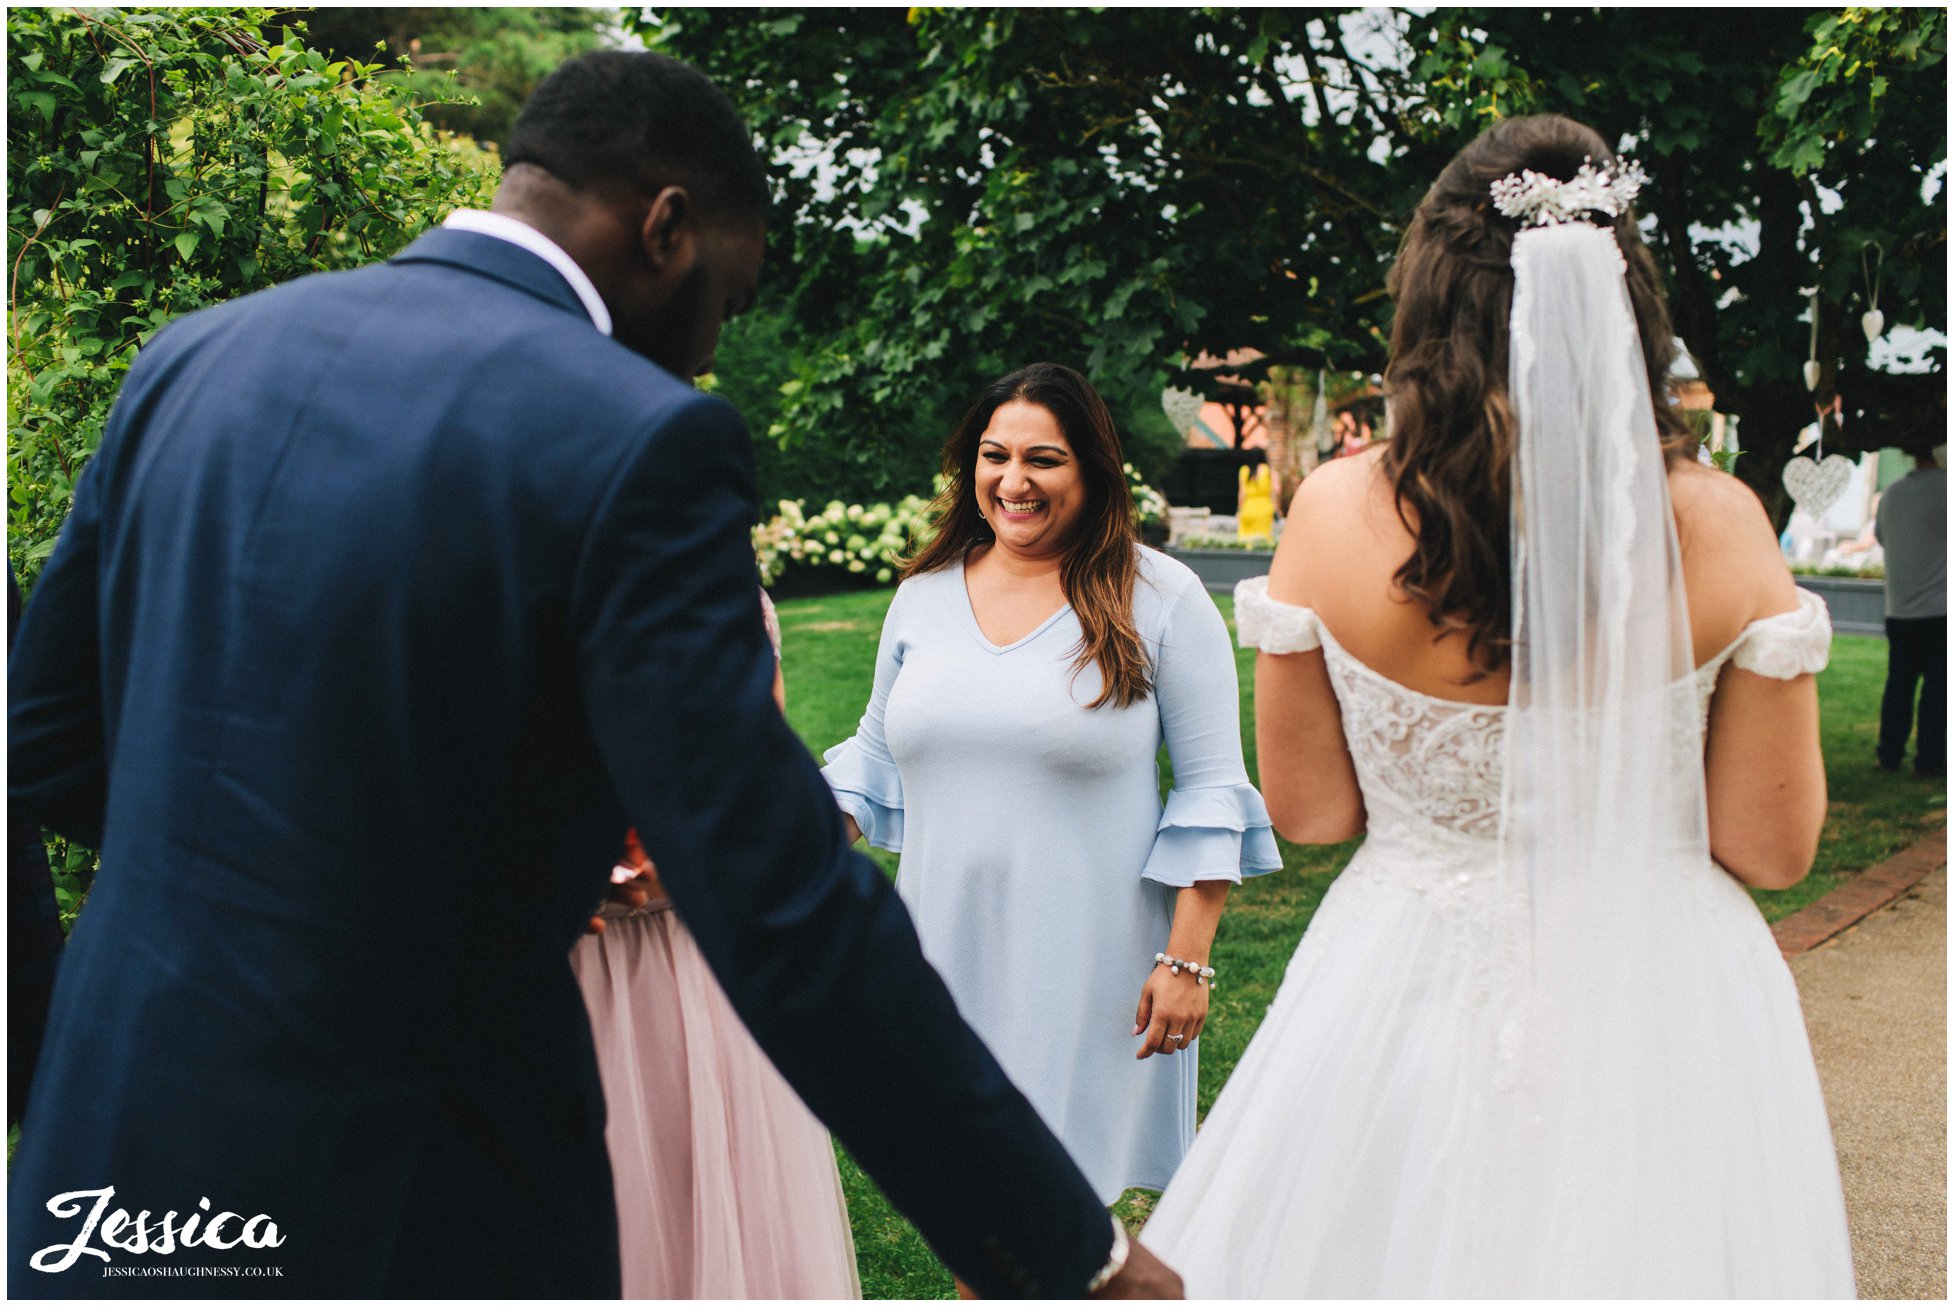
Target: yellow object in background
(1257, 514)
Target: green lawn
(830, 654)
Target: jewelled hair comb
(1536, 200)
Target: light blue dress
(1037, 858)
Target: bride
(1538, 1040)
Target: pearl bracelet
(1202, 975)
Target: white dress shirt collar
(516, 232)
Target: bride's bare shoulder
(1716, 512)
(1340, 489)
(1732, 566)
(1340, 521)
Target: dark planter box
(1209, 478)
(1219, 569)
(1858, 606)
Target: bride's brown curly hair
(1449, 459)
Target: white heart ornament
(1183, 407)
(1815, 486)
(1812, 373)
(1874, 322)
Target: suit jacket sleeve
(56, 748)
(808, 938)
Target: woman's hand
(630, 891)
(1170, 1006)
(1173, 1004)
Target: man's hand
(1143, 1276)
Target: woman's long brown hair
(1449, 459)
(1102, 562)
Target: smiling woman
(1037, 512)
(1032, 663)
(1026, 474)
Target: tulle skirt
(1367, 1146)
(726, 1184)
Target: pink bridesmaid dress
(726, 1184)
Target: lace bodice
(1431, 769)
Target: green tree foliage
(159, 161)
(475, 66)
(1126, 190)
(1104, 190)
(1787, 150)
(757, 353)
(757, 357)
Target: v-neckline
(977, 627)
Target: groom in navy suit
(390, 600)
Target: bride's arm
(1308, 779)
(1764, 772)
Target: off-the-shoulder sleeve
(860, 770)
(1215, 825)
(1789, 644)
(1271, 625)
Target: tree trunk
(1768, 425)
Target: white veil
(1603, 821)
(1604, 774)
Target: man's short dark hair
(633, 120)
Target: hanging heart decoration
(1873, 321)
(1812, 369)
(1183, 407)
(1816, 485)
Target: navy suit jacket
(390, 600)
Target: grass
(830, 650)
(1874, 814)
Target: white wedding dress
(1368, 1146)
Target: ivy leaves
(159, 161)
(1834, 94)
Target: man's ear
(667, 233)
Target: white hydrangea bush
(1149, 505)
(856, 538)
(873, 538)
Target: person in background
(442, 613)
(1033, 660)
(1256, 507)
(726, 1184)
(1912, 528)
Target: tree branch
(1696, 310)
(1318, 92)
(1388, 126)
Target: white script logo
(138, 1234)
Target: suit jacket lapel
(498, 260)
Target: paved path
(1876, 1005)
